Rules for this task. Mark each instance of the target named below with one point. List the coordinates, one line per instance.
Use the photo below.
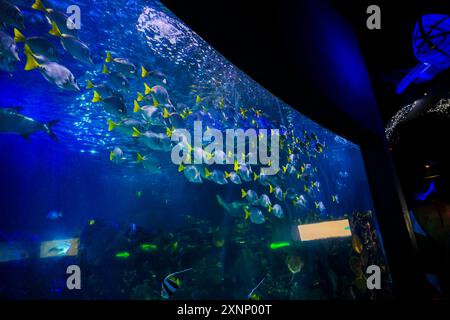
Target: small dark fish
(65, 25)
(38, 45)
(122, 65)
(117, 79)
(74, 46)
(170, 284)
(54, 215)
(102, 89)
(10, 14)
(111, 104)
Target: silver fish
(155, 141)
(8, 47)
(52, 72)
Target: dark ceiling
(250, 34)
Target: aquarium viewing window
(104, 169)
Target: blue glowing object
(431, 46)
(424, 195)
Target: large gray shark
(12, 121)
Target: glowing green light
(148, 246)
(278, 245)
(122, 255)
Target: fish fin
(26, 136)
(169, 131)
(139, 158)
(49, 128)
(227, 175)
(111, 125)
(136, 132)
(111, 155)
(136, 106)
(181, 167)
(89, 84)
(31, 61)
(54, 31)
(38, 5)
(18, 36)
(108, 57)
(207, 173)
(140, 97)
(105, 69)
(147, 88)
(243, 193)
(166, 113)
(97, 97)
(12, 109)
(144, 72)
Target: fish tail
(147, 88)
(181, 167)
(18, 36)
(108, 57)
(255, 176)
(89, 84)
(139, 158)
(31, 61)
(243, 193)
(111, 125)
(54, 31)
(227, 175)
(144, 72)
(49, 129)
(166, 113)
(140, 97)
(169, 131)
(97, 97)
(136, 106)
(136, 132)
(105, 69)
(38, 5)
(207, 173)
(236, 165)
(111, 155)
(247, 214)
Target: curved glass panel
(90, 179)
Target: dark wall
(306, 53)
